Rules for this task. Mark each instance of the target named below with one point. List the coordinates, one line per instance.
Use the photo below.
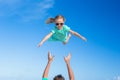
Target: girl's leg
(67, 39)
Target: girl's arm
(50, 59)
(77, 34)
(70, 72)
(45, 38)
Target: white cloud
(114, 78)
(25, 9)
(117, 78)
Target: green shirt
(60, 35)
(44, 78)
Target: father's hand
(67, 59)
(50, 57)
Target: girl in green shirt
(60, 32)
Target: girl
(60, 32)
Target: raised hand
(67, 59)
(50, 57)
(70, 72)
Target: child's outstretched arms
(50, 59)
(45, 38)
(77, 34)
(70, 72)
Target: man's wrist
(67, 63)
(49, 61)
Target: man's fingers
(49, 53)
(69, 55)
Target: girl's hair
(59, 77)
(52, 20)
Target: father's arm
(46, 71)
(70, 72)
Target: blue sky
(22, 26)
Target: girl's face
(59, 23)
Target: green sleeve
(44, 78)
(53, 30)
(67, 28)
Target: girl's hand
(40, 44)
(50, 57)
(83, 38)
(67, 59)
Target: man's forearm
(70, 72)
(45, 74)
